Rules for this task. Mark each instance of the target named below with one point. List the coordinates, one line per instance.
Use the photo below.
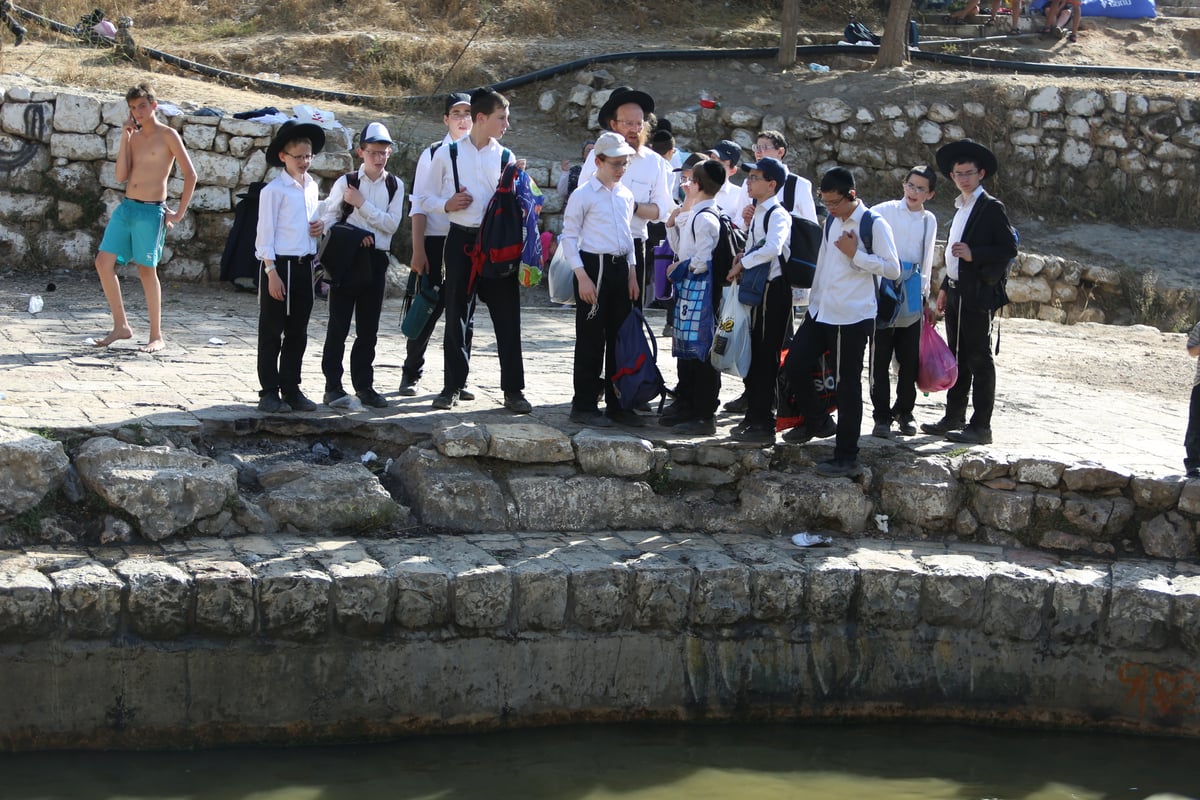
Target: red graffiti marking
(1168, 692)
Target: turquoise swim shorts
(136, 232)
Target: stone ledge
(304, 589)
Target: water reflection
(754, 762)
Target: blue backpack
(637, 379)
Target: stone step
(1180, 11)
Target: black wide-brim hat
(619, 97)
(966, 150)
(294, 130)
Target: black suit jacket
(993, 244)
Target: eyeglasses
(629, 123)
(912, 187)
(754, 178)
(459, 115)
(617, 163)
(304, 157)
(378, 153)
(967, 174)
(832, 204)
(685, 181)
(764, 148)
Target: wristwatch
(269, 268)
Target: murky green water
(759, 762)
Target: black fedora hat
(619, 97)
(294, 130)
(966, 150)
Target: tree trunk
(789, 22)
(893, 50)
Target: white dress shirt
(695, 235)
(843, 290)
(915, 233)
(648, 176)
(377, 214)
(596, 220)
(478, 172)
(728, 197)
(958, 227)
(769, 238)
(285, 207)
(436, 223)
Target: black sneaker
(757, 434)
(409, 388)
(971, 435)
(907, 426)
(839, 468)
(623, 417)
(591, 419)
(516, 402)
(466, 395)
(371, 398)
(1193, 472)
(882, 430)
(738, 405)
(802, 433)
(331, 396)
(271, 404)
(943, 426)
(299, 402)
(447, 400)
(19, 36)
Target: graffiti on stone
(35, 129)
(1166, 692)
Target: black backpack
(730, 242)
(857, 32)
(804, 244)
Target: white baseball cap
(375, 133)
(611, 144)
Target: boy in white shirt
(599, 247)
(915, 231)
(288, 227)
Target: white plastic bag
(731, 345)
(306, 113)
(561, 278)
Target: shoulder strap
(347, 209)
(393, 185)
(505, 157)
(828, 225)
(789, 191)
(454, 164)
(866, 229)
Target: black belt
(463, 228)
(302, 259)
(600, 258)
(951, 283)
(147, 202)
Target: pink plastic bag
(937, 370)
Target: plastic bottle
(818, 67)
(35, 304)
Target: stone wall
(296, 639)
(58, 182)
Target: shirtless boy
(148, 151)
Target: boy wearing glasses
(372, 201)
(288, 228)
(980, 245)
(599, 247)
(915, 231)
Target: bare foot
(153, 346)
(114, 335)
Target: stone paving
(52, 379)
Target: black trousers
(848, 343)
(596, 338)
(283, 324)
(503, 299)
(905, 344)
(969, 331)
(1191, 440)
(365, 306)
(414, 360)
(770, 323)
(643, 253)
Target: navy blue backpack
(637, 379)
